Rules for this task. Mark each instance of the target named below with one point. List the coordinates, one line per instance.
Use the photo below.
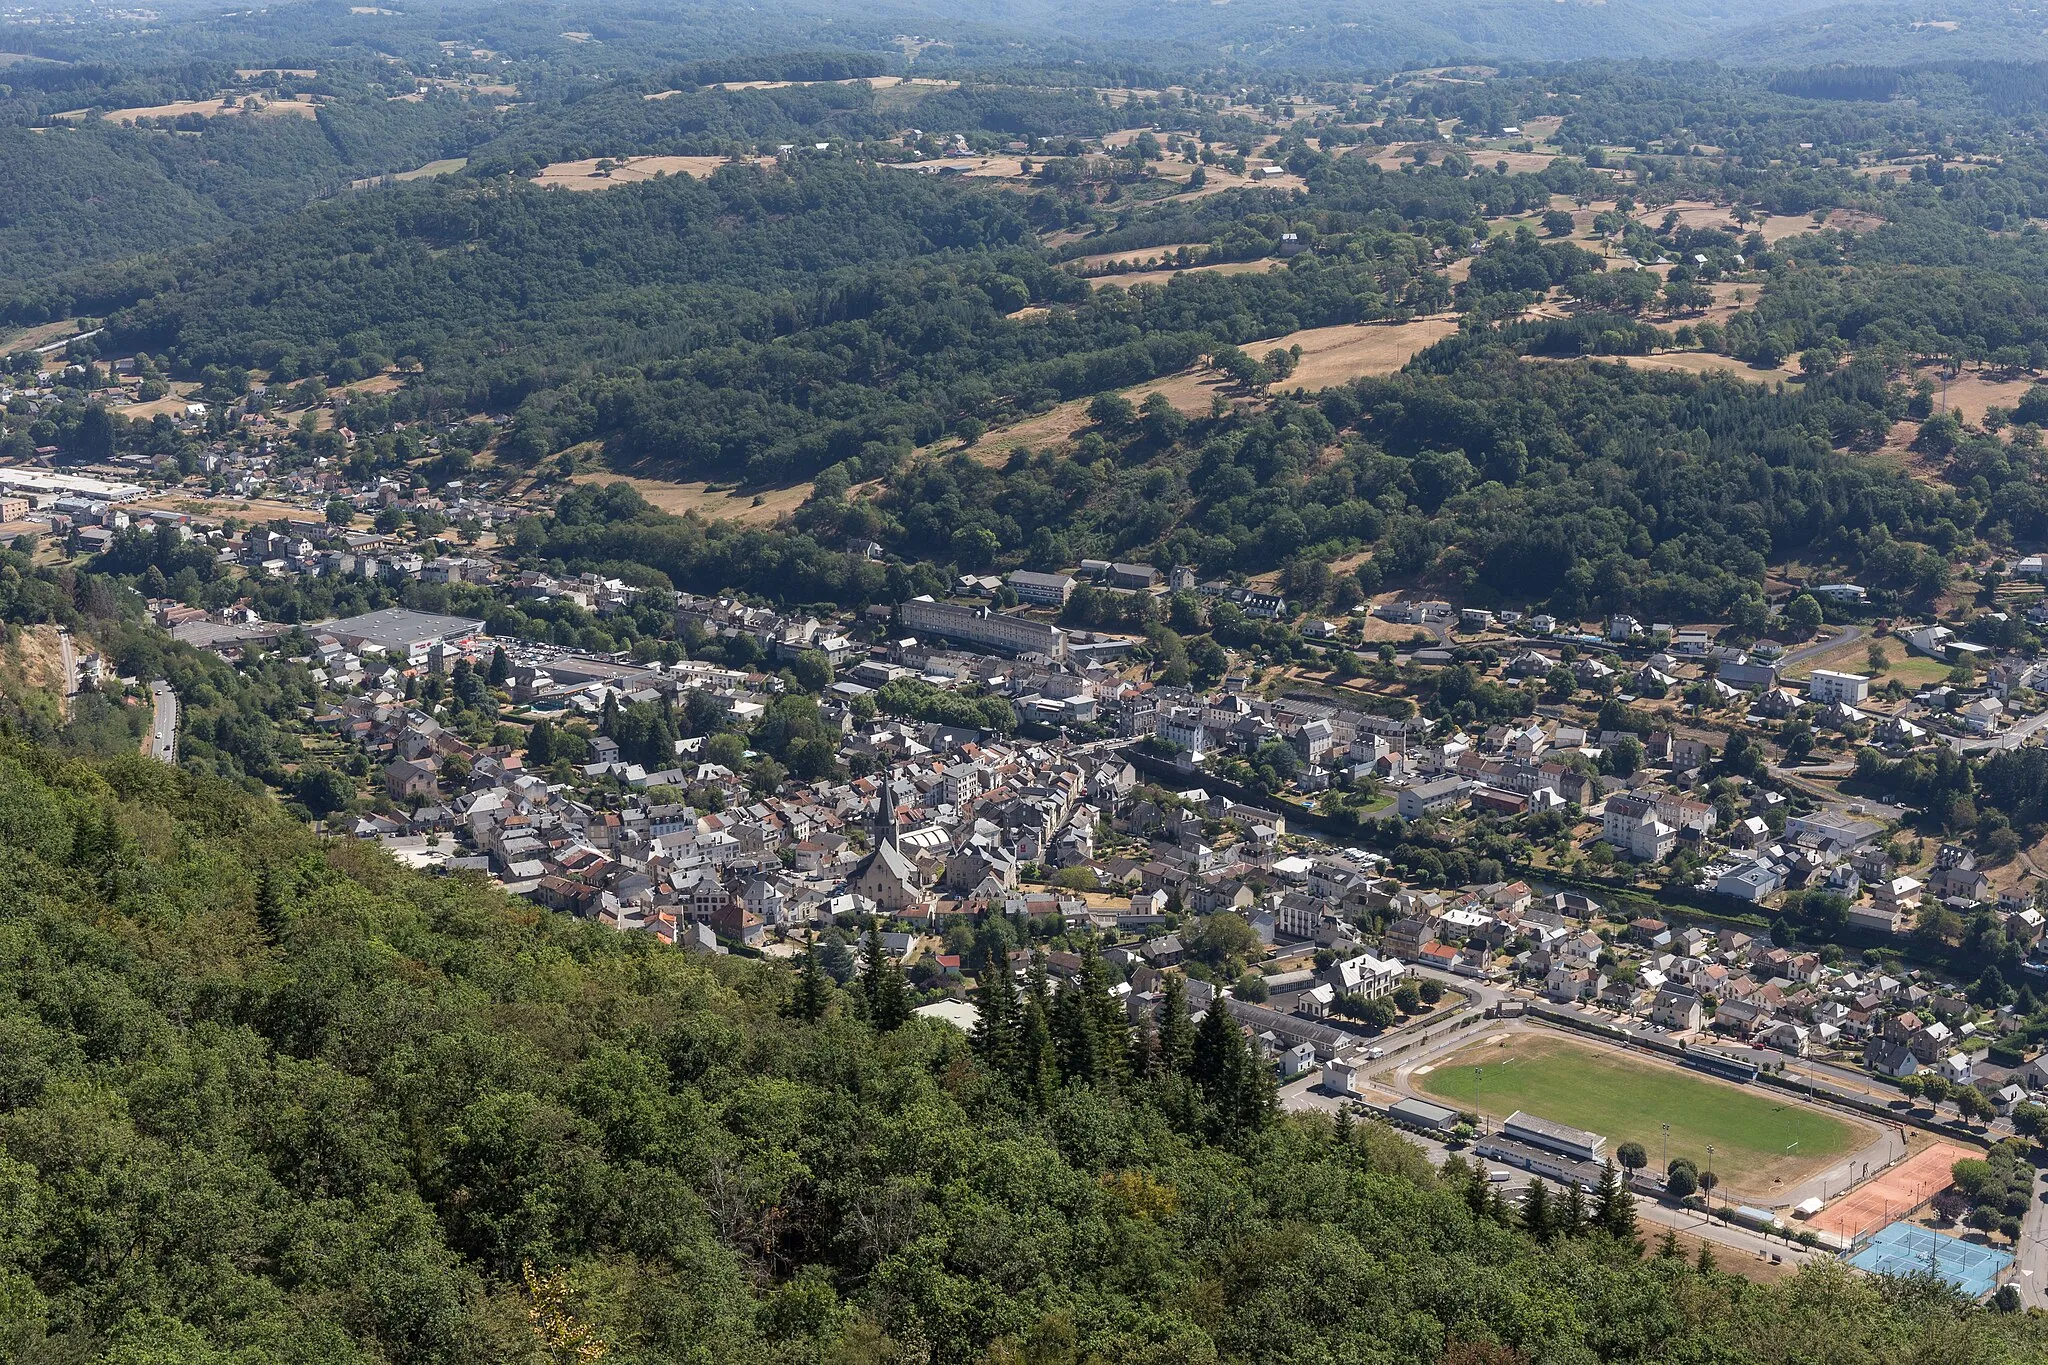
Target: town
(1408, 835)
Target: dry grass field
(722, 504)
(977, 167)
(628, 170)
(301, 106)
(1971, 392)
(1694, 213)
(1706, 362)
(1337, 355)
(427, 172)
(42, 334)
(1132, 279)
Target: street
(70, 656)
(162, 743)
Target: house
(1676, 1008)
(1630, 823)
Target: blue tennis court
(1904, 1249)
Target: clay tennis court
(1893, 1194)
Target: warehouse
(397, 630)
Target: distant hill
(1908, 33)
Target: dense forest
(264, 1098)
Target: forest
(265, 1097)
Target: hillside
(1895, 34)
(265, 1099)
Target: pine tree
(1706, 1258)
(1667, 1246)
(1615, 1206)
(1536, 1213)
(1217, 1041)
(271, 910)
(1039, 1067)
(1108, 1028)
(888, 994)
(501, 668)
(1176, 1033)
(995, 1027)
(1572, 1220)
(1143, 1063)
(1073, 1034)
(813, 995)
(1345, 1127)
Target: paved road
(2013, 738)
(2031, 1271)
(70, 654)
(162, 743)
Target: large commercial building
(60, 483)
(979, 626)
(396, 630)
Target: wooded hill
(265, 1099)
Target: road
(2013, 738)
(162, 743)
(1849, 636)
(2030, 1273)
(70, 654)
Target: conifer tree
(888, 994)
(271, 910)
(1537, 1218)
(1571, 1221)
(1615, 1206)
(995, 1028)
(1143, 1062)
(813, 994)
(1667, 1246)
(1073, 1032)
(1038, 1063)
(1176, 1033)
(1705, 1263)
(1108, 1028)
(1345, 1127)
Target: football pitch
(1758, 1135)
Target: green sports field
(1752, 1129)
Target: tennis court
(1905, 1249)
(1891, 1194)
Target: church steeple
(885, 825)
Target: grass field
(1626, 1099)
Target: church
(887, 876)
